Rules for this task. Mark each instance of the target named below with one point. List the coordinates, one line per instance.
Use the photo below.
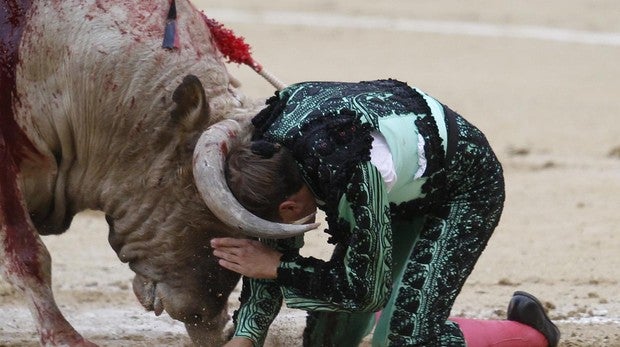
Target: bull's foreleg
(25, 261)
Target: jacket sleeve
(358, 276)
(260, 303)
(261, 300)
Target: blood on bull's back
(86, 103)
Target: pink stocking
(499, 333)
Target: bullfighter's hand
(249, 258)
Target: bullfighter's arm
(261, 299)
(358, 276)
(260, 303)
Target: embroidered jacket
(327, 126)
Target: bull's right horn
(209, 162)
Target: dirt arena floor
(540, 78)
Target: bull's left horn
(209, 162)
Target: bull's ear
(192, 108)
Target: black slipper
(526, 309)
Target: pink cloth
(499, 333)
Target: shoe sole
(548, 323)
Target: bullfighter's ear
(192, 108)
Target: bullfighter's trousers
(432, 258)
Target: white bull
(95, 114)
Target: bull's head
(175, 268)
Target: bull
(96, 114)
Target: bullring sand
(541, 79)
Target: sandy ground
(541, 79)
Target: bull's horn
(209, 161)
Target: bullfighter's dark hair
(262, 177)
(265, 149)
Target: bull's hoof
(73, 340)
